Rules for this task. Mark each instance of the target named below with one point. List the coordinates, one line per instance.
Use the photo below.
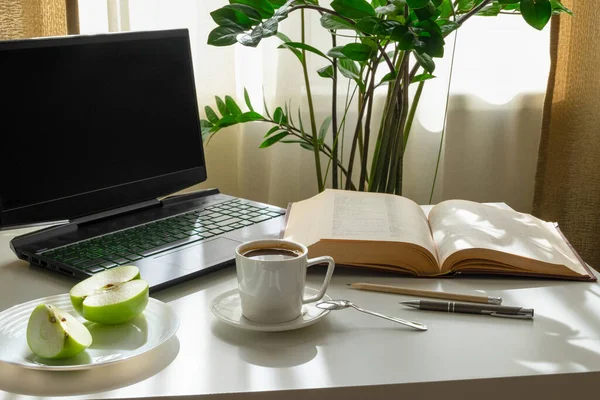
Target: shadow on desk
(61, 383)
(281, 350)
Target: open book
(389, 232)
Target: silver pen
(482, 309)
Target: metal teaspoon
(341, 304)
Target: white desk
(348, 355)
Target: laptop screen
(106, 120)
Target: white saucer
(228, 308)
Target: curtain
(568, 182)
(36, 18)
(493, 117)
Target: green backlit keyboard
(122, 247)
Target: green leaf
(324, 128)
(509, 1)
(227, 120)
(303, 46)
(272, 130)
(270, 27)
(445, 9)
(293, 141)
(557, 6)
(349, 69)
(247, 100)
(491, 10)
(264, 8)
(301, 125)
(336, 52)
(389, 9)
(248, 11)
(367, 24)
(447, 26)
(425, 61)
(433, 44)
(253, 38)
(286, 39)
(279, 116)
(232, 106)
(465, 5)
(277, 3)
(357, 51)
(221, 106)
(385, 28)
(273, 139)
(211, 115)
(334, 23)
(231, 17)
(403, 36)
(265, 103)
(353, 9)
(512, 7)
(416, 4)
(224, 35)
(430, 11)
(390, 76)
(422, 77)
(206, 132)
(307, 146)
(249, 116)
(536, 13)
(326, 72)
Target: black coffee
(275, 254)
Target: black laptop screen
(81, 117)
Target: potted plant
(384, 35)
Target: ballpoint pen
(482, 309)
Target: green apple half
(54, 333)
(114, 296)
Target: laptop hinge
(196, 194)
(117, 211)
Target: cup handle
(330, 269)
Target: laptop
(97, 132)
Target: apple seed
(52, 319)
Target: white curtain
(497, 84)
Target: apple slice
(114, 296)
(54, 333)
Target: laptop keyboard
(127, 246)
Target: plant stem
(390, 133)
(311, 110)
(334, 122)
(437, 164)
(474, 11)
(413, 109)
(400, 167)
(382, 146)
(354, 142)
(363, 167)
(394, 184)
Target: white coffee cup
(271, 287)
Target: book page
(459, 224)
(348, 215)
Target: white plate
(111, 343)
(228, 308)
